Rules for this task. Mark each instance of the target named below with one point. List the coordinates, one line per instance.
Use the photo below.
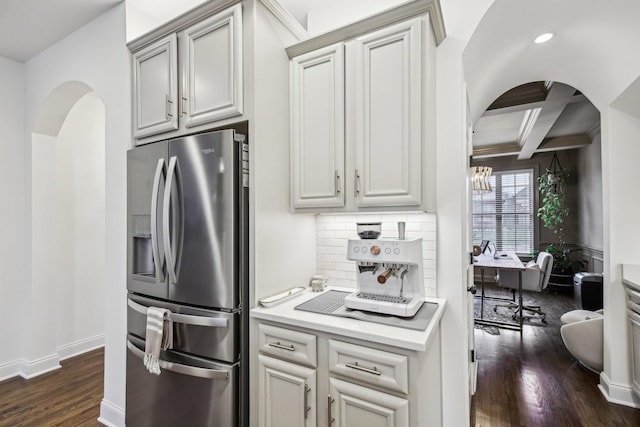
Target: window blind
(505, 215)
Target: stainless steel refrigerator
(188, 252)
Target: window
(505, 215)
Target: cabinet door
(211, 58)
(155, 88)
(384, 72)
(317, 128)
(352, 405)
(286, 395)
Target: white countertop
(374, 332)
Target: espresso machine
(389, 275)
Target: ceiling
(27, 27)
(533, 118)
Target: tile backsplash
(333, 231)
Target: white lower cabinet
(351, 405)
(310, 377)
(287, 394)
(634, 334)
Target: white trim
(10, 369)
(181, 22)
(383, 19)
(31, 369)
(81, 346)
(111, 415)
(286, 19)
(618, 393)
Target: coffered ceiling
(533, 118)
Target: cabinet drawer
(287, 344)
(367, 365)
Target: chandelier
(480, 178)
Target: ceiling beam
(564, 143)
(533, 105)
(496, 150)
(545, 120)
(523, 94)
(549, 144)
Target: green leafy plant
(553, 212)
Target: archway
(66, 302)
(500, 55)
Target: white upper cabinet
(156, 88)
(385, 74)
(212, 69)
(189, 78)
(357, 119)
(317, 128)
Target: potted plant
(553, 212)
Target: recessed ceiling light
(542, 38)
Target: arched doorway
(66, 302)
(501, 55)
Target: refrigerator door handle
(214, 322)
(171, 174)
(157, 262)
(213, 374)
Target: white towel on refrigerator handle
(159, 336)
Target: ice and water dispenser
(142, 248)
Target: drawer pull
(307, 408)
(282, 347)
(330, 418)
(355, 366)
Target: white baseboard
(618, 393)
(111, 415)
(82, 346)
(33, 368)
(10, 369)
(29, 369)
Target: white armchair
(582, 334)
(535, 278)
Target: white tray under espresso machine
(389, 272)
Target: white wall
(283, 254)
(79, 244)
(68, 260)
(146, 15)
(12, 214)
(331, 15)
(452, 196)
(620, 150)
(97, 56)
(589, 173)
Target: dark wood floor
(536, 381)
(69, 396)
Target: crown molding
(181, 22)
(286, 19)
(387, 17)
